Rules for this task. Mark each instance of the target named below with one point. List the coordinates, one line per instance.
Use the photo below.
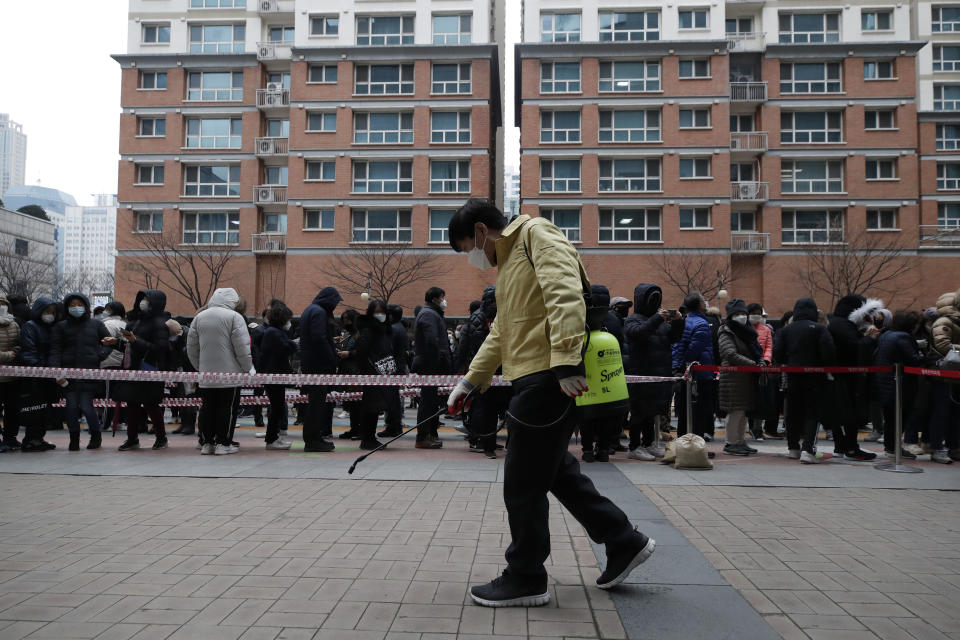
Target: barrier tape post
(896, 465)
(688, 401)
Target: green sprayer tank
(607, 396)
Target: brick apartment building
(293, 130)
(748, 134)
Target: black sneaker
(735, 450)
(32, 446)
(491, 454)
(129, 444)
(348, 435)
(860, 454)
(620, 562)
(619, 447)
(160, 443)
(389, 433)
(504, 591)
(748, 448)
(320, 446)
(370, 445)
(588, 456)
(13, 444)
(601, 455)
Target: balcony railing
(746, 41)
(749, 191)
(273, 98)
(274, 6)
(266, 194)
(748, 91)
(274, 50)
(754, 141)
(269, 242)
(938, 235)
(271, 146)
(749, 243)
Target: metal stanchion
(689, 401)
(896, 465)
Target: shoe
(873, 437)
(260, 434)
(47, 446)
(283, 434)
(189, 431)
(953, 454)
(915, 449)
(13, 444)
(749, 448)
(504, 591)
(3, 448)
(74, 441)
(620, 562)
(808, 458)
(588, 456)
(235, 444)
(223, 450)
(892, 455)
(707, 437)
(428, 443)
(860, 454)
(348, 435)
(129, 444)
(343, 415)
(655, 451)
(619, 447)
(160, 443)
(602, 455)
(34, 446)
(475, 448)
(941, 456)
(370, 445)
(640, 454)
(735, 450)
(461, 429)
(96, 439)
(492, 455)
(207, 450)
(793, 454)
(278, 445)
(389, 433)
(320, 446)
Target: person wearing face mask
(401, 343)
(80, 342)
(9, 387)
(766, 416)
(375, 357)
(538, 337)
(37, 394)
(432, 356)
(318, 354)
(739, 348)
(276, 347)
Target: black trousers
(10, 399)
(277, 416)
(218, 413)
(394, 417)
(647, 401)
(602, 432)
(485, 414)
(429, 405)
(702, 407)
(843, 420)
(538, 462)
(318, 420)
(804, 396)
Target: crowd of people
(655, 341)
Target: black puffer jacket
(276, 347)
(76, 344)
(850, 343)
(318, 354)
(476, 330)
(375, 343)
(431, 344)
(894, 347)
(600, 296)
(804, 342)
(401, 345)
(648, 337)
(150, 349)
(36, 336)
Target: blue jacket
(317, 351)
(36, 336)
(696, 345)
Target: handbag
(386, 366)
(950, 362)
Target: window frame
(153, 167)
(612, 31)
(400, 82)
(693, 11)
(830, 216)
(648, 83)
(325, 20)
(404, 177)
(400, 131)
(878, 214)
(874, 168)
(156, 79)
(323, 163)
(325, 117)
(573, 234)
(651, 182)
(793, 132)
(151, 216)
(937, 23)
(947, 182)
(323, 68)
(567, 82)
(694, 110)
(827, 180)
(944, 143)
(826, 80)
(566, 132)
(154, 119)
(877, 116)
(613, 128)
(463, 84)
(234, 141)
(443, 37)
(879, 65)
(646, 230)
(373, 39)
(234, 45)
(231, 219)
(697, 164)
(233, 181)
(693, 67)
(948, 216)
(160, 27)
(736, 222)
(828, 35)
(954, 102)
(285, 29)
(218, 4)
(564, 35)
(566, 182)
(235, 91)
(320, 213)
(460, 184)
(876, 13)
(458, 132)
(366, 230)
(442, 230)
(695, 220)
(948, 66)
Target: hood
(156, 298)
(328, 298)
(641, 298)
(226, 298)
(805, 309)
(488, 301)
(77, 296)
(863, 315)
(948, 305)
(600, 295)
(39, 305)
(848, 304)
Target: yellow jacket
(541, 314)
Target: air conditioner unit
(265, 51)
(266, 146)
(265, 194)
(268, 6)
(274, 86)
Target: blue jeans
(80, 402)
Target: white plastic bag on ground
(692, 453)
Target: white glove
(456, 401)
(574, 386)
(253, 370)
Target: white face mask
(286, 327)
(380, 317)
(457, 334)
(76, 312)
(144, 306)
(740, 319)
(478, 256)
(3, 310)
(756, 319)
(48, 318)
(443, 304)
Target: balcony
(275, 6)
(269, 243)
(267, 147)
(749, 191)
(935, 236)
(749, 243)
(264, 195)
(748, 142)
(748, 92)
(273, 98)
(279, 50)
(743, 41)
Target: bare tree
(865, 263)
(22, 276)
(83, 280)
(381, 269)
(193, 272)
(707, 273)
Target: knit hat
(736, 306)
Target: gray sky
(57, 79)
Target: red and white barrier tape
(935, 373)
(778, 369)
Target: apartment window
(559, 27)
(622, 125)
(559, 77)
(382, 225)
(946, 97)
(217, 4)
(809, 27)
(383, 176)
(881, 169)
(383, 79)
(741, 123)
(152, 127)
(694, 168)
(278, 128)
(151, 222)
(948, 215)
(158, 33)
(559, 126)
(629, 175)
(217, 38)
(280, 34)
(629, 75)
(738, 26)
(451, 78)
(321, 122)
(214, 133)
(211, 228)
(440, 224)
(629, 225)
(450, 127)
(324, 25)
(276, 176)
(812, 227)
(811, 176)
(694, 18)
(698, 68)
(453, 29)
(281, 78)
(214, 86)
(450, 176)
(384, 30)
(567, 220)
(695, 118)
(149, 174)
(623, 26)
(383, 128)
(810, 77)
(946, 58)
(322, 74)
(559, 176)
(879, 119)
(875, 20)
(211, 180)
(948, 176)
(945, 19)
(810, 127)
(153, 79)
(948, 137)
(692, 218)
(321, 170)
(881, 220)
(742, 172)
(318, 219)
(878, 70)
(741, 221)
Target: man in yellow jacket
(537, 339)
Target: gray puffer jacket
(218, 339)
(737, 390)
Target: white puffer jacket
(218, 339)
